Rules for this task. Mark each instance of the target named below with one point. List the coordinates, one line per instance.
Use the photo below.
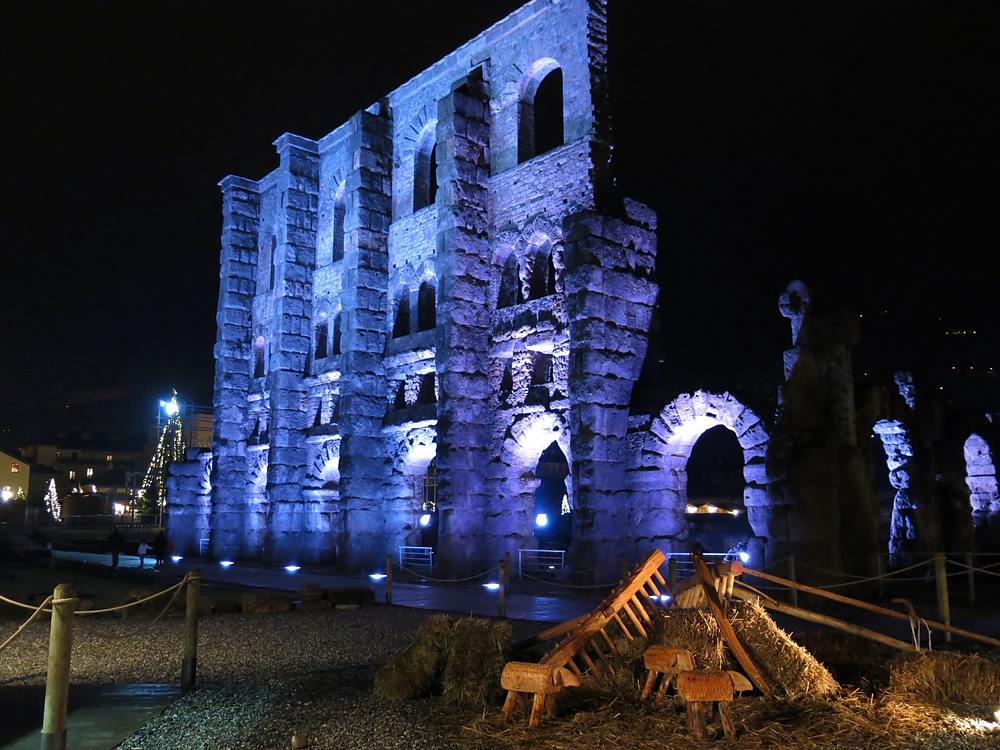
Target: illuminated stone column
(463, 326)
(373, 527)
(609, 299)
(240, 215)
(295, 532)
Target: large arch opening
(510, 284)
(981, 479)
(662, 481)
(553, 514)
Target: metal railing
(541, 563)
(418, 559)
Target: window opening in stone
(339, 215)
(507, 381)
(425, 169)
(510, 284)
(553, 527)
(335, 349)
(321, 336)
(258, 357)
(318, 420)
(428, 521)
(539, 286)
(427, 394)
(274, 259)
(540, 125)
(426, 307)
(541, 373)
(402, 325)
(400, 402)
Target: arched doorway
(659, 481)
(715, 512)
(553, 514)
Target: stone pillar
(609, 299)
(295, 531)
(240, 226)
(463, 327)
(372, 527)
(189, 503)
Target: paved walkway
(527, 601)
(100, 716)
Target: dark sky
(853, 143)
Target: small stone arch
(981, 479)
(667, 446)
(259, 360)
(425, 167)
(427, 305)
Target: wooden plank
(641, 609)
(635, 620)
(652, 588)
(611, 643)
(860, 604)
(808, 616)
(658, 577)
(726, 627)
(621, 625)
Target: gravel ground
(262, 678)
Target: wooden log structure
(586, 645)
(704, 691)
(541, 680)
(668, 662)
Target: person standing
(143, 550)
(115, 543)
(160, 547)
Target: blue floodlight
(542, 520)
(293, 568)
(425, 519)
(170, 408)
(376, 577)
(226, 563)
(744, 556)
(492, 586)
(176, 558)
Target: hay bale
(944, 677)
(693, 629)
(416, 673)
(477, 652)
(788, 667)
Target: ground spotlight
(744, 556)
(176, 558)
(226, 563)
(293, 568)
(492, 586)
(376, 577)
(542, 520)
(425, 519)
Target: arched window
(510, 284)
(339, 215)
(507, 381)
(402, 325)
(539, 286)
(336, 334)
(541, 373)
(540, 127)
(258, 356)
(425, 168)
(400, 401)
(550, 277)
(322, 336)
(426, 307)
(427, 394)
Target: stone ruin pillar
(821, 504)
(610, 296)
(240, 215)
(189, 507)
(294, 532)
(463, 327)
(373, 527)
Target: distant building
(81, 458)
(15, 474)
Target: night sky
(851, 143)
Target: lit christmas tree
(170, 447)
(52, 501)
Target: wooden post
(388, 579)
(57, 680)
(941, 578)
(880, 572)
(502, 593)
(189, 666)
(672, 574)
(971, 578)
(791, 577)
(509, 559)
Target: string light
(52, 501)
(169, 448)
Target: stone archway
(981, 479)
(658, 482)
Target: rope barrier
(24, 626)
(50, 600)
(570, 585)
(975, 570)
(447, 580)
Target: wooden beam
(708, 586)
(869, 606)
